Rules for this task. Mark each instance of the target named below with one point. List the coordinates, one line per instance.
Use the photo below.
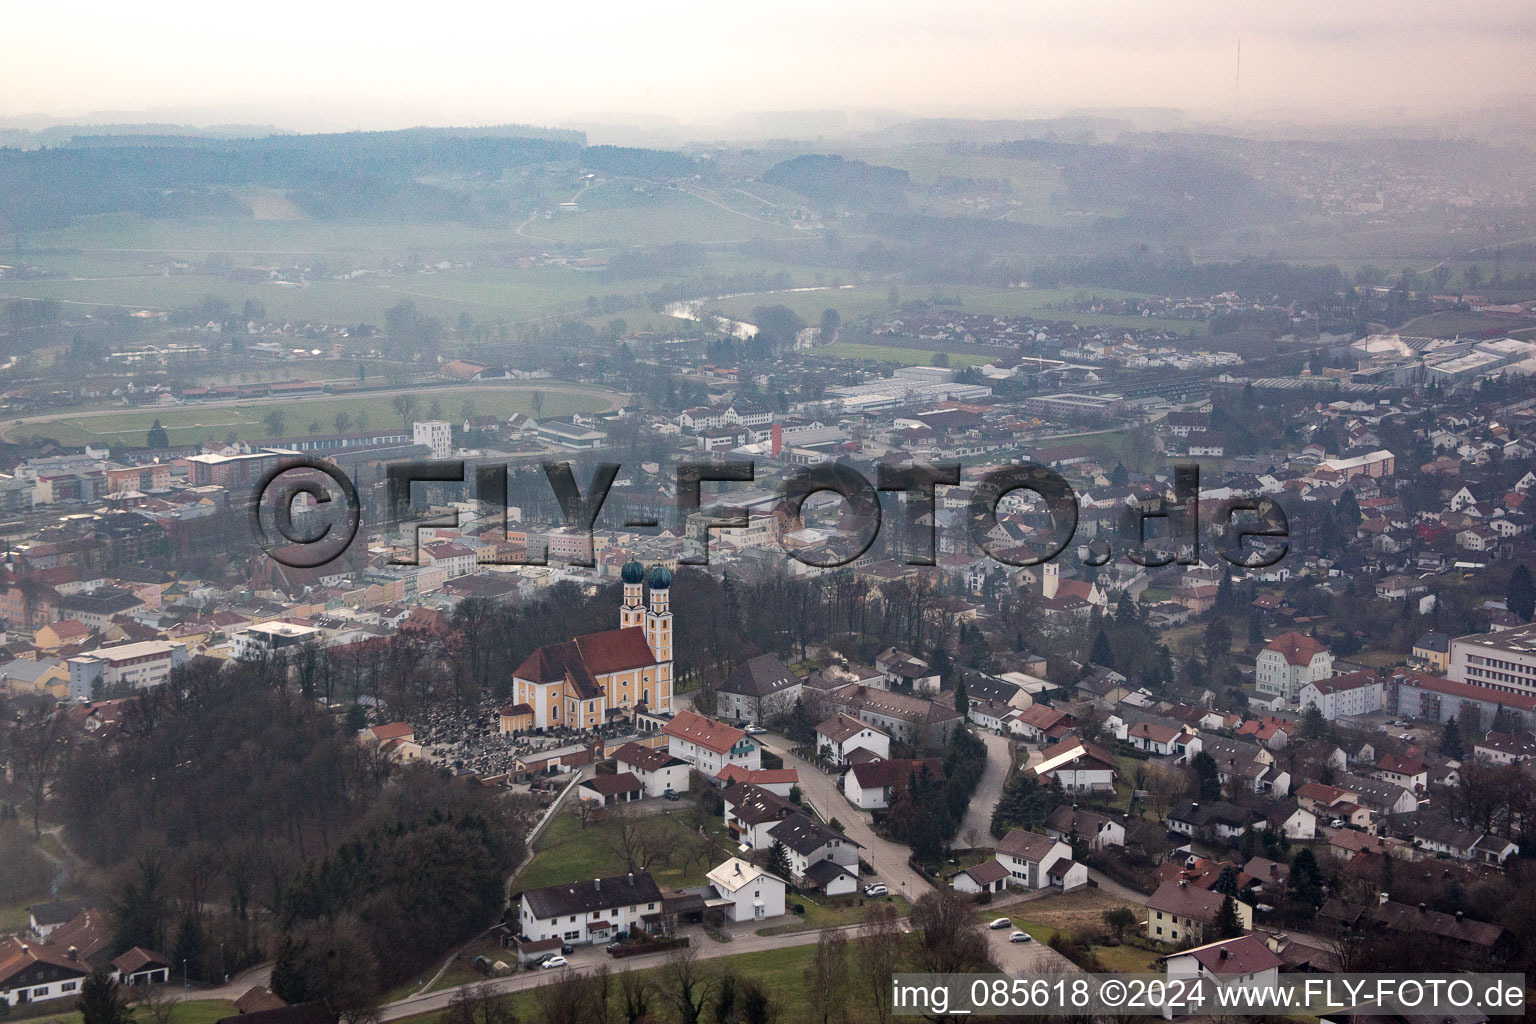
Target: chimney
(1421, 908)
(1183, 883)
(1382, 898)
(1458, 916)
(631, 878)
(73, 952)
(777, 444)
(1224, 953)
(597, 883)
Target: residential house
(840, 735)
(752, 893)
(760, 690)
(809, 842)
(1077, 767)
(870, 785)
(1178, 912)
(1036, 861)
(657, 770)
(1287, 663)
(710, 745)
(1095, 830)
(585, 912)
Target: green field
(567, 852)
(191, 1011)
(614, 214)
(893, 354)
(246, 421)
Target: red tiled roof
(1296, 648)
(706, 732)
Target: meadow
(188, 424)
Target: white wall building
(436, 435)
(753, 893)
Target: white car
(1000, 924)
(1020, 937)
(877, 889)
(754, 730)
(553, 962)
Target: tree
(342, 422)
(536, 402)
(963, 697)
(275, 420)
(827, 977)
(157, 437)
(1306, 882)
(1218, 640)
(1101, 654)
(1521, 597)
(686, 983)
(480, 1004)
(1450, 740)
(876, 957)
(950, 939)
(101, 1001)
(1228, 925)
(831, 320)
(1313, 725)
(38, 749)
(1207, 776)
(189, 947)
(405, 407)
(778, 860)
(1120, 920)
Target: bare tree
(636, 996)
(634, 839)
(477, 1004)
(877, 955)
(405, 407)
(826, 978)
(37, 750)
(686, 983)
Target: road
(978, 814)
(743, 940)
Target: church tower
(632, 611)
(658, 633)
(1049, 580)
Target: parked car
(567, 949)
(613, 946)
(1000, 924)
(1019, 937)
(672, 794)
(876, 889)
(552, 962)
(754, 730)
(1336, 823)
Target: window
(38, 993)
(69, 986)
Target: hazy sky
(321, 65)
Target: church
(583, 683)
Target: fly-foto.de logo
(1163, 529)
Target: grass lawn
(188, 424)
(892, 354)
(1127, 959)
(191, 1011)
(568, 853)
(835, 911)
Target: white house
(840, 735)
(1243, 962)
(1077, 767)
(988, 876)
(35, 973)
(1354, 693)
(758, 691)
(657, 770)
(1035, 861)
(710, 745)
(869, 786)
(753, 894)
(1090, 827)
(595, 911)
(807, 842)
(1287, 663)
(751, 813)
